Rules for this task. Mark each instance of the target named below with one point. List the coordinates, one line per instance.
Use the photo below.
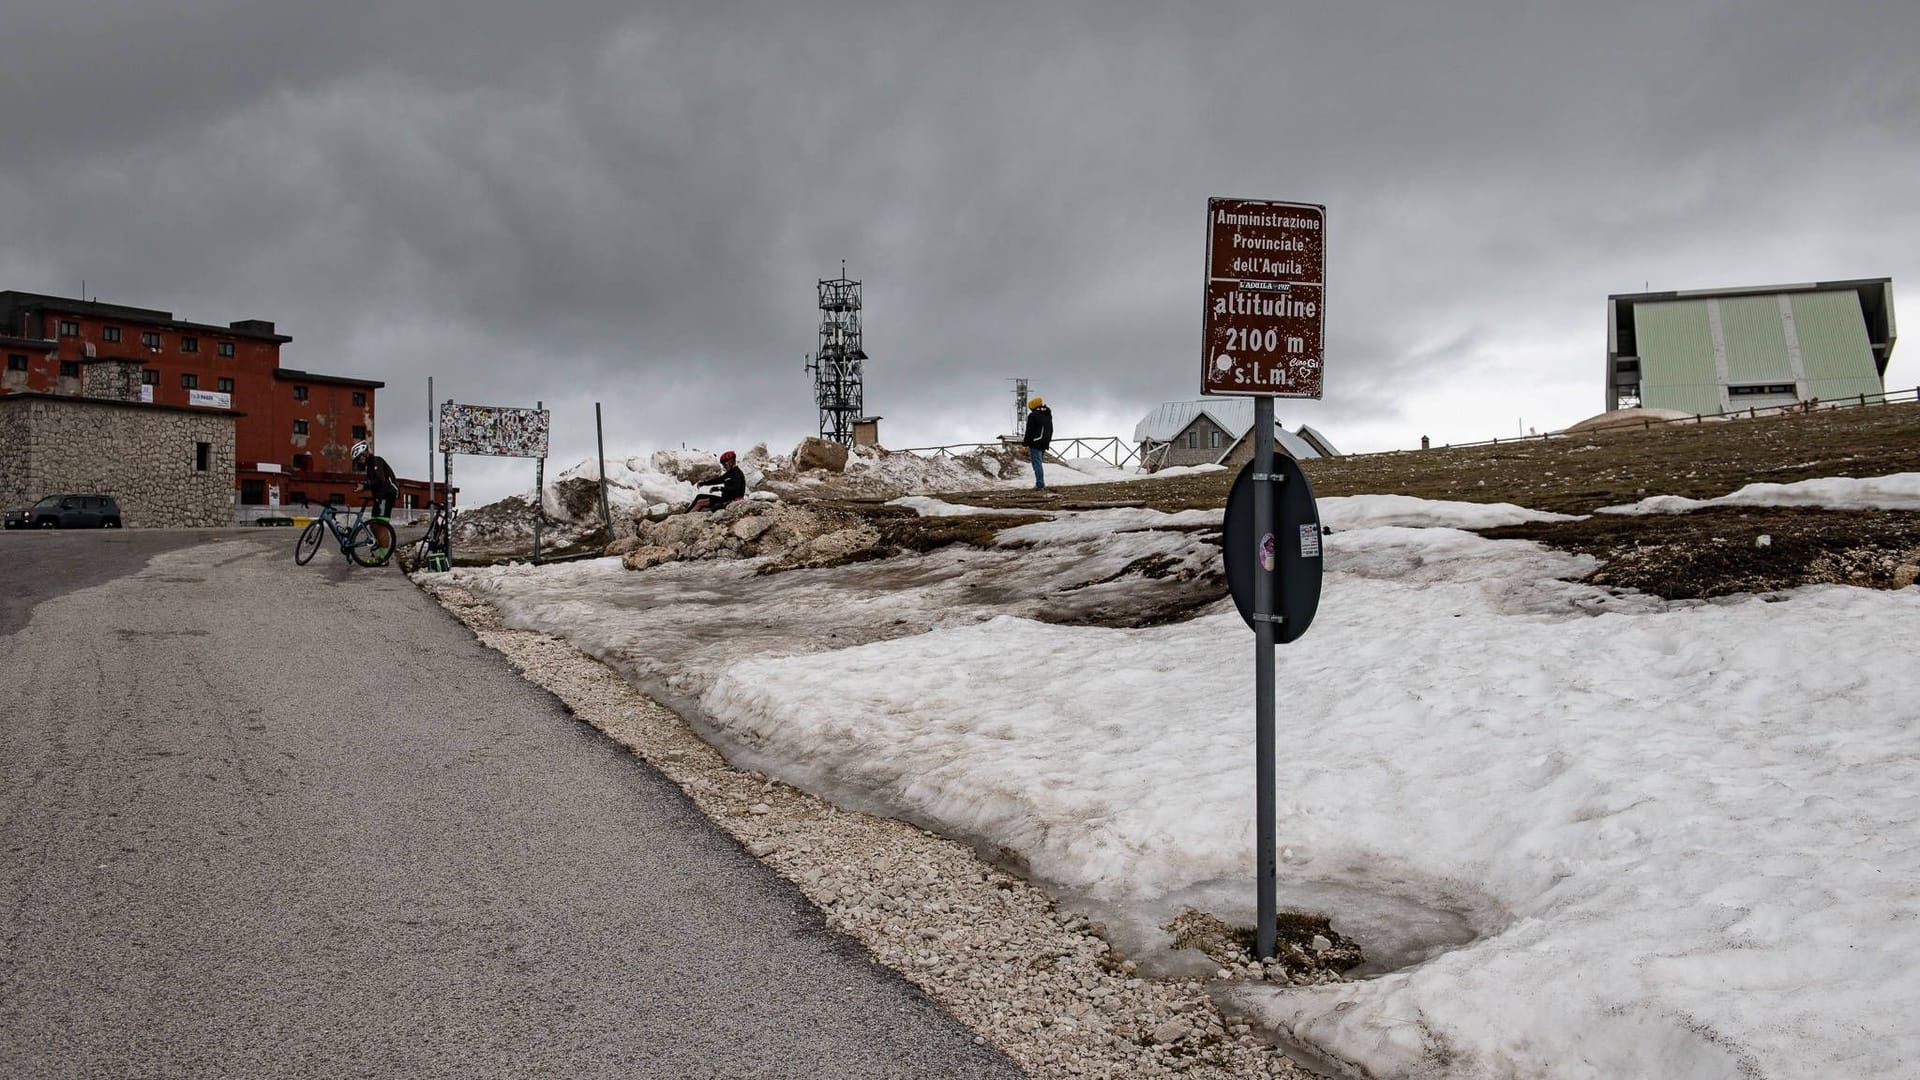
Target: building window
(189, 344)
(1213, 440)
(150, 339)
(1193, 440)
(296, 497)
(1769, 388)
(109, 333)
(226, 386)
(253, 492)
(299, 427)
(202, 456)
(301, 463)
(359, 398)
(150, 377)
(359, 431)
(299, 393)
(226, 348)
(69, 369)
(190, 381)
(16, 362)
(69, 329)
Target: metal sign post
(600, 438)
(539, 494)
(1262, 336)
(1265, 771)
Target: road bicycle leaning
(363, 540)
(432, 550)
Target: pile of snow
(927, 506)
(1369, 511)
(1899, 491)
(1589, 834)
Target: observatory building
(1728, 350)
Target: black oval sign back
(1296, 548)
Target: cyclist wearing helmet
(731, 482)
(380, 481)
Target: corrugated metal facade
(1834, 346)
(1677, 369)
(1728, 353)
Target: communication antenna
(1020, 406)
(838, 365)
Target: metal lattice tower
(839, 363)
(1020, 400)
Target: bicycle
(363, 540)
(431, 550)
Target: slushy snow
(1581, 833)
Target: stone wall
(112, 379)
(143, 455)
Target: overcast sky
(627, 203)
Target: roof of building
(1856, 284)
(1233, 415)
(12, 301)
(80, 399)
(292, 375)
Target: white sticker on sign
(1309, 541)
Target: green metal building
(1728, 350)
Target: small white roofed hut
(1216, 431)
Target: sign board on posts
(1266, 298)
(492, 431)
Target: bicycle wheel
(309, 542)
(370, 543)
(385, 539)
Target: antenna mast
(838, 365)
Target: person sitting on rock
(731, 484)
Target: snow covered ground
(1581, 834)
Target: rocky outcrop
(791, 536)
(817, 453)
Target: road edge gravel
(1037, 983)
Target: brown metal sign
(1266, 298)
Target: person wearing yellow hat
(1039, 437)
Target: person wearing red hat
(731, 481)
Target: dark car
(68, 512)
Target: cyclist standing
(384, 488)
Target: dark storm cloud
(583, 202)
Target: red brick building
(293, 429)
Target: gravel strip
(1036, 982)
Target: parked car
(68, 512)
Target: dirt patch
(1685, 556)
(1307, 949)
(1726, 550)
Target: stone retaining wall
(146, 456)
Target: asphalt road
(261, 820)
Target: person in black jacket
(733, 486)
(1039, 437)
(380, 483)
(384, 487)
